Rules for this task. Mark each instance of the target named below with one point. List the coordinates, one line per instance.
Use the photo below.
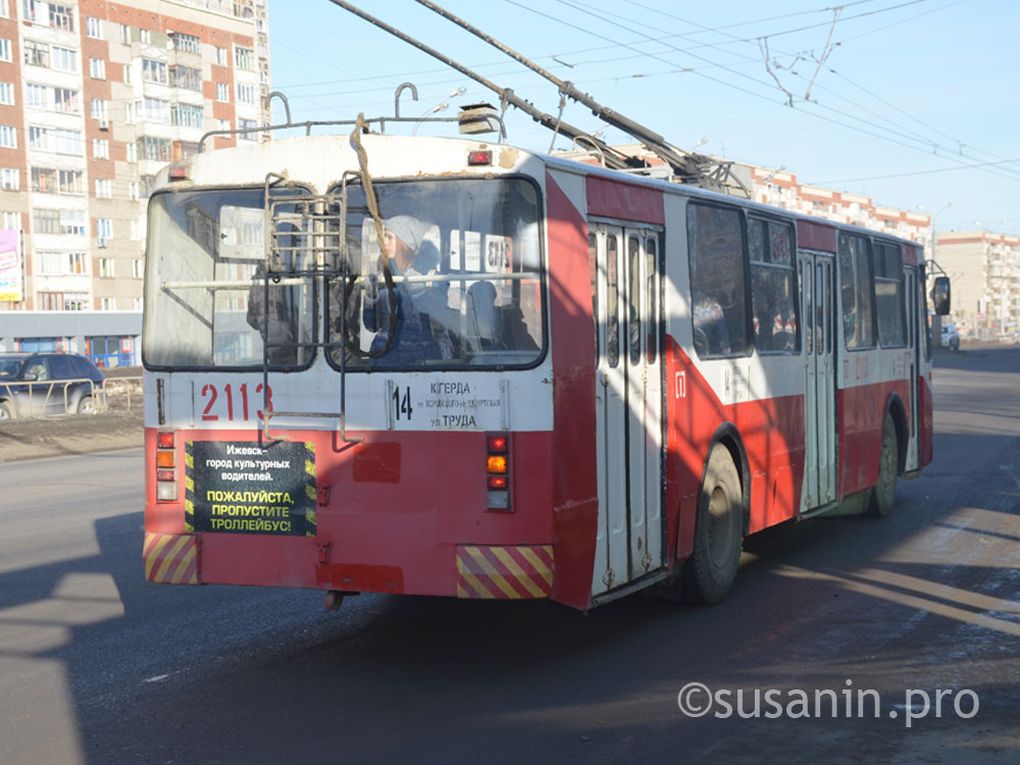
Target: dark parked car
(35, 384)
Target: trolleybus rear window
(206, 303)
(465, 257)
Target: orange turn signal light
(496, 464)
(165, 459)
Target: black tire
(709, 573)
(883, 494)
(86, 405)
(6, 411)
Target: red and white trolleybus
(564, 382)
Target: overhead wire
(905, 143)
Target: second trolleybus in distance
(463, 369)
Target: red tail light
(497, 468)
(165, 439)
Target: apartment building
(984, 269)
(95, 98)
(782, 189)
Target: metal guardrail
(26, 399)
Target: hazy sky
(915, 103)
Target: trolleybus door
(817, 271)
(915, 343)
(628, 400)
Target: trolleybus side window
(612, 301)
(652, 301)
(856, 290)
(889, 303)
(634, 298)
(773, 292)
(466, 263)
(717, 257)
(207, 303)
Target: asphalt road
(98, 666)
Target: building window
(38, 138)
(38, 96)
(44, 180)
(36, 54)
(72, 222)
(245, 93)
(79, 262)
(12, 221)
(137, 268)
(5, 9)
(98, 109)
(104, 230)
(106, 268)
(244, 58)
(30, 10)
(132, 153)
(186, 115)
(222, 92)
(71, 181)
(8, 137)
(62, 17)
(5, 50)
(125, 34)
(186, 43)
(65, 59)
(153, 110)
(94, 28)
(127, 74)
(187, 77)
(221, 56)
(154, 71)
(133, 231)
(66, 100)
(97, 69)
(66, 222)
(134, 190)
(10, 178)
(145, 36)
(51, 263)
(57, 140)
(100, 148)
(104, 188)
(7, 93)
(249, 125)
(152, 148)
(108, 304)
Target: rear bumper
(489, 572)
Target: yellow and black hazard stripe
(311, 517)
(189, 487)
(171, 558)
(510, 573)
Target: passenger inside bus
(421, 333)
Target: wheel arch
(894, 408)
(727, 436)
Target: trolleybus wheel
(883, 495)
(709, 572)
(6, 411)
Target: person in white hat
(418, 335)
